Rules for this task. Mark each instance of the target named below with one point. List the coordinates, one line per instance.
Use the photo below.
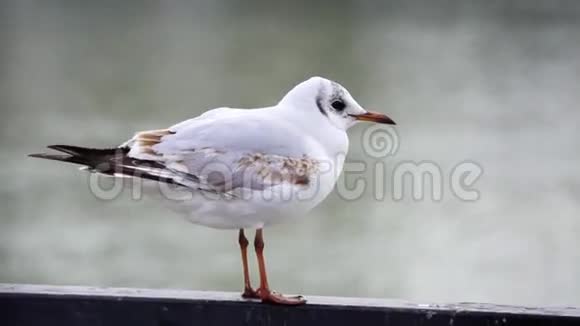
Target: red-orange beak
(374, 117)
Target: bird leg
(248, 293)
(264, 291)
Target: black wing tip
(57, 147)
(83, 151)
(68, 154)
(55, 157)
(68, 149)
(60, 148)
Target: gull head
(322, 98)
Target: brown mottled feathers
(277, 169)
(147, 139)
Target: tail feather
(91, 157)
(111, 161)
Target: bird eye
(338, 105)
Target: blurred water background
(495, 82)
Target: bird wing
(227, 149)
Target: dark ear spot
(319, 105)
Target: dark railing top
(75, 305)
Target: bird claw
(268, 296)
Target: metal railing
(41, 305)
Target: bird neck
(332, 139)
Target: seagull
(232, 168)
